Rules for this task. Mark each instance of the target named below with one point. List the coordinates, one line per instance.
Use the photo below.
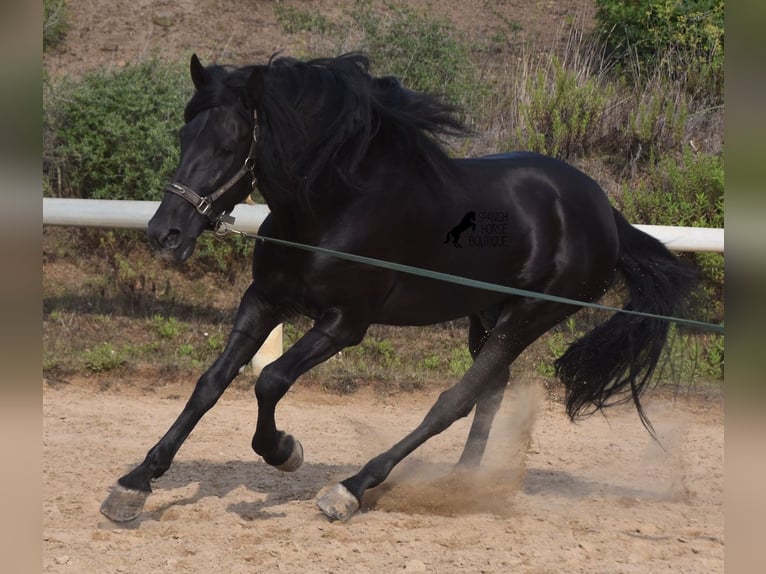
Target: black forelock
(225, 86)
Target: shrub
(460, 361)
(691, 357)
(559, 111)
(378, 352)
(55, 22)
(656, 120)
(227, 256)
(294, 20)
(685, 36)
(166, 327)
(426, 53)
(113, 134)
(689, 193)
(105, 357)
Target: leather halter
(204, 204)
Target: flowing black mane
(319, 118)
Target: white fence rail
(113, 213)
(136, 214)
(110, 213)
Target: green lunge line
(466, 282)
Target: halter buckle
(204, 207)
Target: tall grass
(55, 22)
(557, 105)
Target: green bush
(460, 360)
(686, 36)
(166, 327)
(656, 122)
(113, 134)
(560, 111)
(426, 53)
(105, 357)
(374, 351)
(294, 20)
(227, 256)
(55, 22)
(692, 357)
(685, 192)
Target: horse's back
(541, 188)
(558, 213)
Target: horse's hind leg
(487, 404)
(253, 324)
(343, 499)
(521, 323)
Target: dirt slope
(105, 33)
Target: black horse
(340, 157)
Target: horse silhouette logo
(469, 220)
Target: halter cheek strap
(204, 204)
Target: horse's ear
(197, 72)
(254, 87)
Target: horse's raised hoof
(124, 504)
(295, 460)
(338, 503)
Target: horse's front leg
(333, 332)
(255, 320)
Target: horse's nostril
(171, 239)
(165, 239)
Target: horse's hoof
(338, 503)
(124, 504)
(295, 460)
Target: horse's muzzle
(166, 239)
(170, 243)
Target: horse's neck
(295, 221)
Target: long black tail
(621, 354)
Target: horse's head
(217, 155)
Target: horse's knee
(272, 384)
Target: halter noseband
(204, 204)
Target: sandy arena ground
(598, 496)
